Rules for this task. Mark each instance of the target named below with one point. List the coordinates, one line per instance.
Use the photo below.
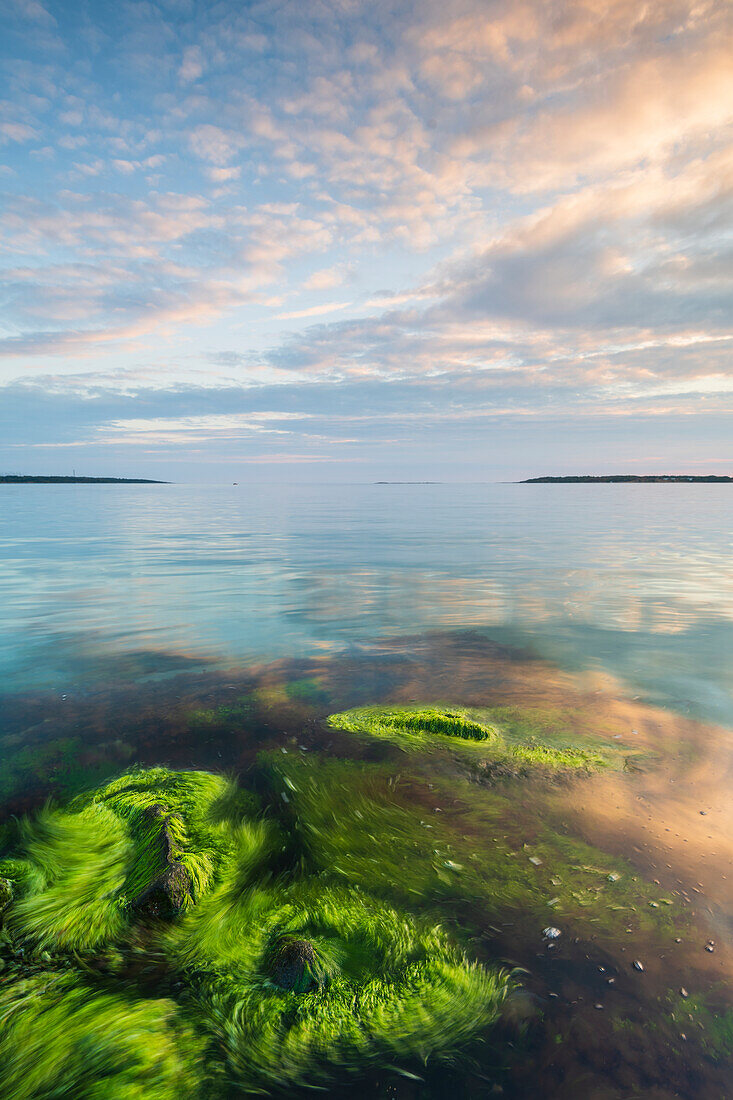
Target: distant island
(622, 478)
(26, 479)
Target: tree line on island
(622, 478)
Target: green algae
(230, 714)
(74, 866)
(61, 1037)
(183, 801)
(409, 722)
(712, 1022)
(380, 988)
(6, 894)
(53, 765)
(308, 690)
(83, 868)
(384, 989)
(516, 737)
(372, 828)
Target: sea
(222, 627)
(632, 580)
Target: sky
(354, 240)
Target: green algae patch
(511, 737)
(148, 843)
(68, 882)
(411, 722)
(326, 981)
(712, 1021)
(162, 937)
(428, 844)
(61, 1037)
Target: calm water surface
(632, 580)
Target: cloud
(214, 144)
(16, 131)
(313, 311)
(531, 204)
(192, 65)
(326, 279)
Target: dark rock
(6, 893)
(172, 890)
(294, 966)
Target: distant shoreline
(624, 478)
(23, 479)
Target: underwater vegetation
(520, 738)
(63, 1037)
(162, 936)
(428, 842)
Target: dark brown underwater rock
(172, 890)
(294, 966)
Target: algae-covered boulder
(294, 966)
(146, 845)
(6, 893)
(414, 721)
(168, 939)
(507, 743)
(307, 982)
(170, 891)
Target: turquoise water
(105, 581)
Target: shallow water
(631, 580)
(205, 628)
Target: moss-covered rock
(147, 844)
(281, 978)
(294, 965)
(6, 894)
(326, 981)
(508, 740)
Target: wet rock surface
(171, 891)
(294, 966)
(6, 894)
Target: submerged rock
(171, 891)
(6, 893)
(294, 966)
(161, 844)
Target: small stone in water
(551, 933)
(638, 965)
